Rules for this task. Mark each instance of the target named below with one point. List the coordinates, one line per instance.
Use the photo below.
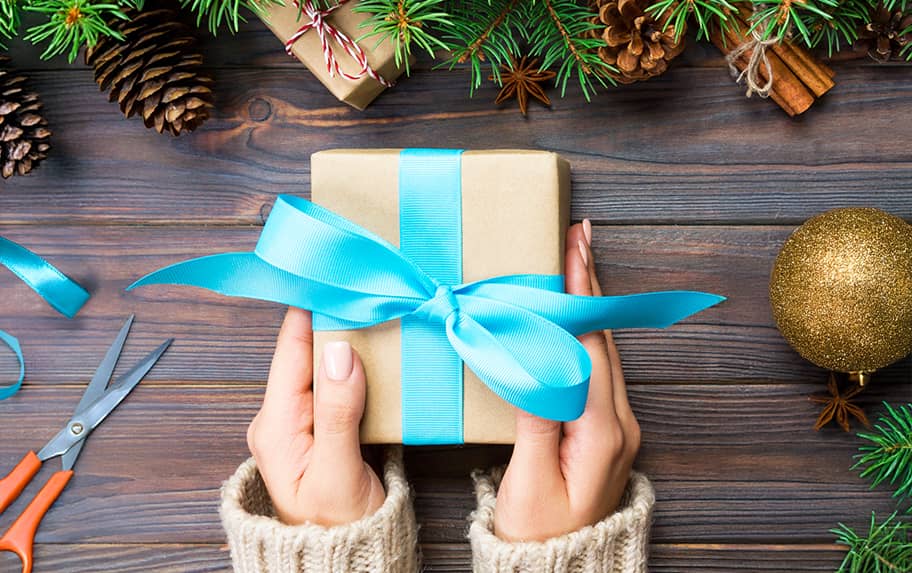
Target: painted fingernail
(337, 360)
(587, 231)
(583, 252)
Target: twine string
(751, 73)
(329, 34)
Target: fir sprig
(405, 23)
(481, 32)
(224, 12)
(888, 457)
(561, 34)
(9, 18)
(706, 13)
(885, 548)
(72, 24)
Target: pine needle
(888, 456)
(885, 548)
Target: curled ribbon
(327, 32)
(61, 292)
(515, 332)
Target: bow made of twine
(328, 33)
(751, 73)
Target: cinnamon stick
(817, 76)
(789, 92)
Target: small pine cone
(155, 71)
(639, 45)
(883, 37)
(23, 130)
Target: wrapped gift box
(515, 212)
(286, 20)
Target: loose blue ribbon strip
(515, 333)
(61, 292)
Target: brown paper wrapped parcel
(515, 211)
(285, 21)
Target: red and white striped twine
(326, 32)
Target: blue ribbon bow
(61, 292)
(515, 332)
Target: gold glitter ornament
(841, 290)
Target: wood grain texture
(226, 340)
(731, 464)
(269, 121)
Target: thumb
(339, 405)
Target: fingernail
(337, 360)
(587, 231)
(583, 253)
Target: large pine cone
(23, 130)
(639, 45)
(155, 71)
(883, 38)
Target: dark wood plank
(126, 558)
(683, 558)
(231, 340)
(731, 464)
(436, 558)
(688, 163)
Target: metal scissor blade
(84, 421)
(97, 385)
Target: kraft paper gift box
(515, 212)
(284, 21)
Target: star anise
(839, 406)
(521, 80)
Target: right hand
(308, 451)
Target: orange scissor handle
(20, 537)
(15, 481)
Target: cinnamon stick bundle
(798, 77)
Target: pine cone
(639, 45)
(23, 130)
(882, 37)
(155, 72)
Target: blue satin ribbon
(514, 333)
(61, 292)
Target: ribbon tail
(60, 291)
(246, 275)
(582, 314)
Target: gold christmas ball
(841, 290)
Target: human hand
(562, 477)
(307, 450)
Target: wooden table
(689, 184)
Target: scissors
(97, 402)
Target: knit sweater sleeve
(383, 542)
(617, 544)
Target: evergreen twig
(404, 23)
(888, 457)
(72, 24)
(885, 548)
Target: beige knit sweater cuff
(260, 543)
(617, 544)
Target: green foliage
(217, 13)
(72, 24)
(705, 12)
(885, 548)
(404, 23)
(888, 456)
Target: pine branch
(564, 33)
(886, 548)
(72, 24)
(218, 12)
(405, 23)
(707, 13)
(889, 457)
(777, 18)
(482, 31)
(9, 18)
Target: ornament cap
(860, 378)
